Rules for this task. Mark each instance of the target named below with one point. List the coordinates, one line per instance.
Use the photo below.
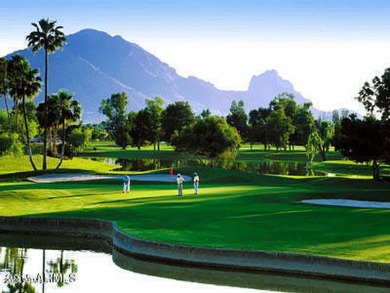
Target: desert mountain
(94, 65)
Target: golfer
(196, 183)
(180, 184)
(126, 183)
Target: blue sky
(226, 42)
(249, 18)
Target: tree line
(283, 125)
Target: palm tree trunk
(6, 104)
(49, 140)
(54, 140)
(28, 134)
(63, 145)
(44, 163)
(16, 107)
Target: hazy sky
(327, 49)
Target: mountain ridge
(94, 65)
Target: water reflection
(61, 266)
(271, 167)
(12, 261)
(262, 167)
(87, 271)
(84, 270)
(19, 274)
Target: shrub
(10, 144)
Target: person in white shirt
(196, 183)
(180, 184)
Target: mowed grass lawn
(233, 210)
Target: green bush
(10, 144)
(70, 152)
(78, 139)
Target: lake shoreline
(231, 259)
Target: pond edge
(231, 259)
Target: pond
(263, 167)
(72, 270)
(83, 271)
(88, 265)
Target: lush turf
(110, 150)
(234, 209)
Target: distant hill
(95, 65)
(264, 87)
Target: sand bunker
(349, 203)
(67, 177)
(86, 177)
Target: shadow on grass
(230, 223)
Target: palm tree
(47, 35)
(67, 109)
(4, 81)
(14, 83)
(24, 83)
(53, 120)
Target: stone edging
(241, 260)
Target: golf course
(235, 208)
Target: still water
(263, 167)
(89, 265)
(73, 264)
(83, 271)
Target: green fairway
(233, 210)
(10, 165)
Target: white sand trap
(85, 177)
(349, 203)
(67, 177)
